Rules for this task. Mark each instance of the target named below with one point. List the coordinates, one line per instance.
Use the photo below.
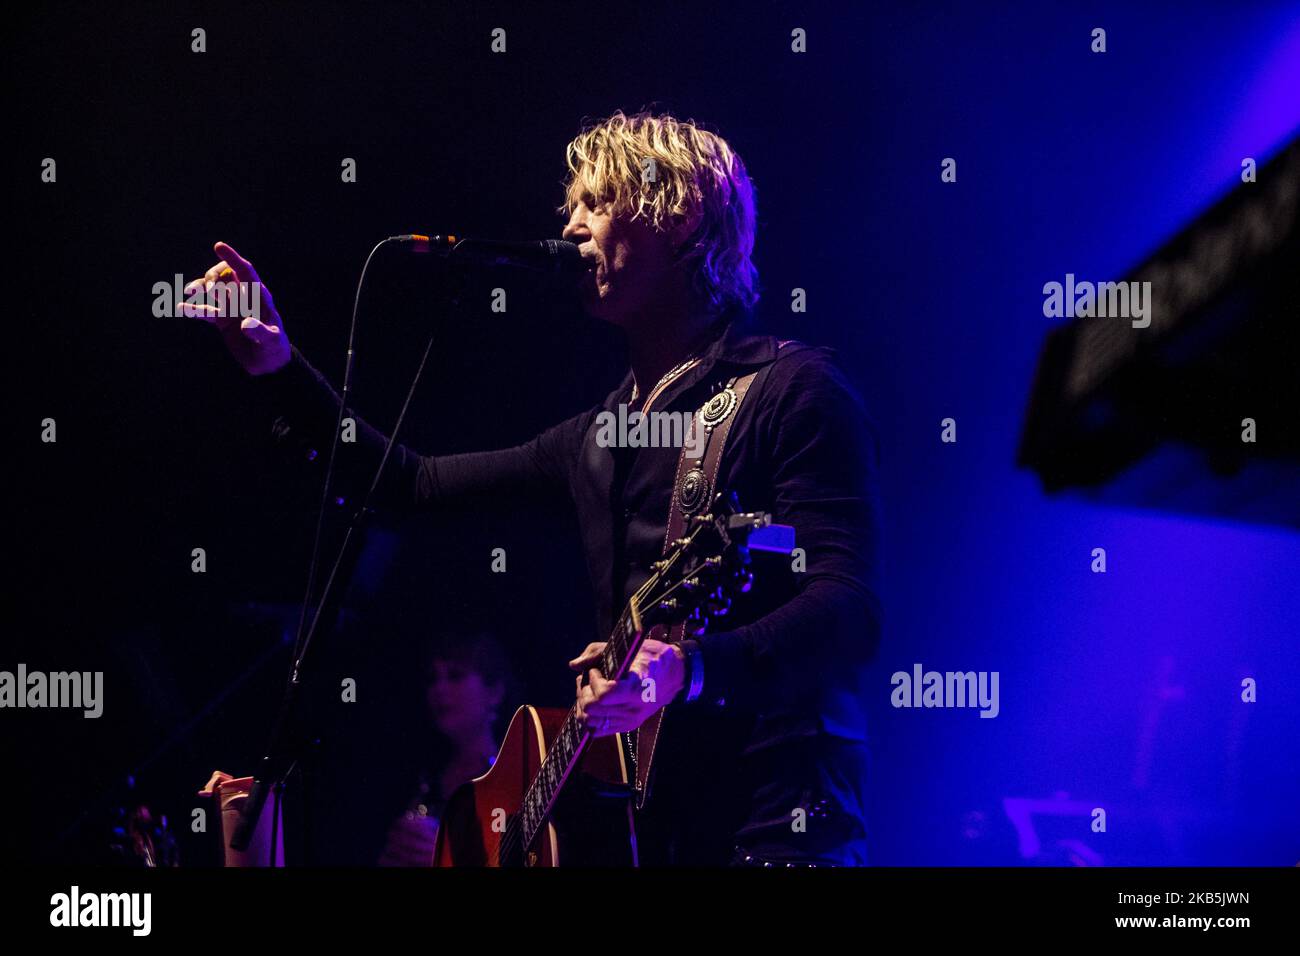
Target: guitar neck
(572, 739)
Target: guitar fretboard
(572, 738)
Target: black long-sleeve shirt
(780, 726)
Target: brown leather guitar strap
(693, 490)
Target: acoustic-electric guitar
(555, 792)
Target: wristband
(694, 662)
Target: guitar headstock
(703, 569)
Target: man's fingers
(605, 716)
(601, 695)
(216, 315)
(258, 331)
(197, 310)
(580, 705)
(221, 272)
(218, 284)
(243, 269)
(604, 723)
(217, 778)
(591, 653)
(611, 710)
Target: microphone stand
(287, 738)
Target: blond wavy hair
(692, 171)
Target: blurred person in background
(467, 680)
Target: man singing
(761, 753)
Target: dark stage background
(1119, 690)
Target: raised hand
(257, 341)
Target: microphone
(554, 257)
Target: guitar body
(592, 824)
